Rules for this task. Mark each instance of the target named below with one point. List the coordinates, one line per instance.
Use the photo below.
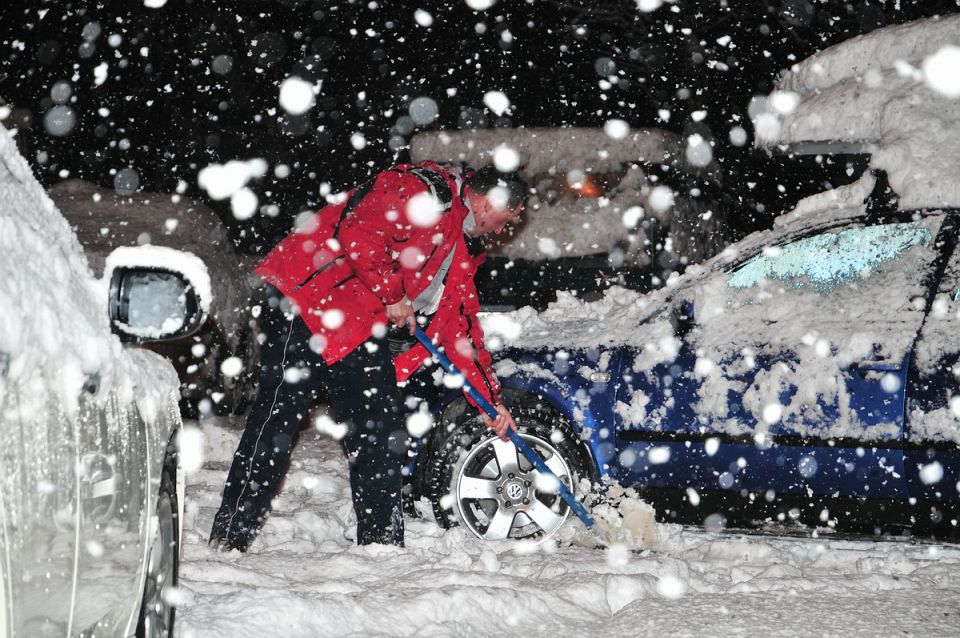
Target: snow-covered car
(90, 501)
(608, 206)
(807, 374)
(105, 220)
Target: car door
(113, 516)
(932, 456)
(38, 509)
(788, 364)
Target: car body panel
(719, 464)
(933, 408)
(688, 408)
(580, 386)
(77, 521)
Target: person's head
(496, 199)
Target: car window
(785, 327)
(852, 285)
(828, 260)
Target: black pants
(363, 395)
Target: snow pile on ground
(54, 331)
(893, 89)
(302, 577)
(621, 519)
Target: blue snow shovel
(530, 454)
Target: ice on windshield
(831, 259)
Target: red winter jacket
(351, 259)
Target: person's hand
(400, 314)
(502, 423)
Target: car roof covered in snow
(882, 91)
(558, 221)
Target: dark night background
(168, 113)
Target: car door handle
(99, 494)
(881, 365)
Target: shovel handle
(527, 451)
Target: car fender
(580, 384)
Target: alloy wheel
(500, 495)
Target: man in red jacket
(402, 246)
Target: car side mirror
(152, 304)
(682, 318)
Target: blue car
(807, 376)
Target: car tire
(156, 611)
(464, 450)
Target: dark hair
(488, 177)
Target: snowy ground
(302, 577)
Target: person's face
(490, 217)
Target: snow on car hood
(881, 89)
(570, 322)
(54, 331)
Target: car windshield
(734, 257)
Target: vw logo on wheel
(514, 491)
